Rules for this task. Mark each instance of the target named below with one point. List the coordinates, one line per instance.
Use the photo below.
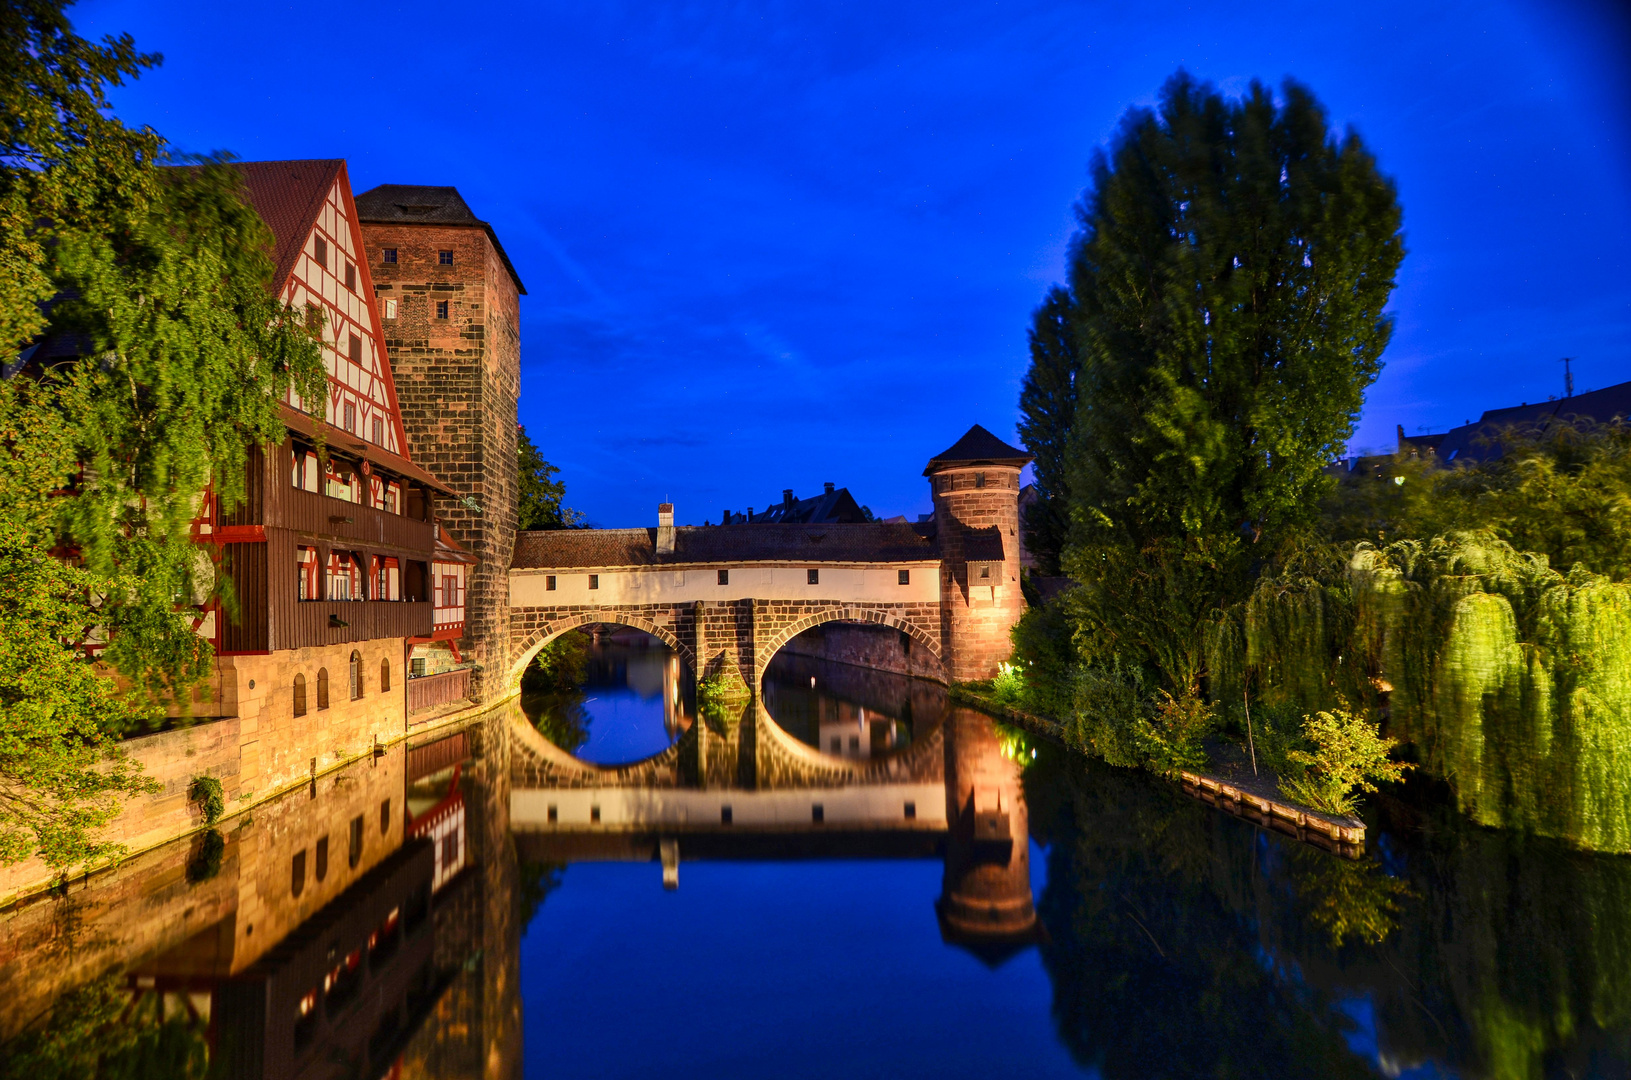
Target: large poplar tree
(1225, 313)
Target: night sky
(767, 246)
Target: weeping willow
(1512, 680)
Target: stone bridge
(727, 597)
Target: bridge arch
(542, 636)
(838, 613)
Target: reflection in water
(633, 699)
(848, 711)
(374, 924)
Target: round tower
(975, 486)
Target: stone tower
(975, 485)
(449, 302)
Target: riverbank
(1255, 798)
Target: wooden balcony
(428, 691)
(305, 623)
(349, 523)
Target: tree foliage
(541, 494)
(1225, 310)
(1047, 407)
(150, 360)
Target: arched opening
(322, 688)
(355, 669)
(608, 693)
(855, 691)
(300, 694)
(385, 676)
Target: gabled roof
(836, 507)
(288, 195)
(424, 204)
(977, 447)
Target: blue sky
(771, 245)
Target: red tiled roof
(872, 542)
(288, 196)
(346, 443)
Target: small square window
(444, 258)
(594, 814)
(724, 815)
(724, 577)
(904, 577)
(594, 581)
(818, 812)
(979, 479)
(441, 309)
(985, 572)
(554, 813)
(319, 251)
(356, 349)
(390, 255)
(390, 309)
(549, 582)
(351, 277)
(813, 577)
(911, 810)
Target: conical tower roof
(977, 447)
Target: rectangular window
(724, 577)
(549, 582)
(979, 479)
(594, 581)
(441, 309)
(320, 251)
(390, 255)
(813, 577)
(340, 482)
(350, 417)
(444, 258)
(344, 576)
(306, 572)
(356, 349)
(905, 577)
(985, 572)
(393, 498)
(351, 277)
(379, 432)
(389, 309)
(389, 585)
(450, 591)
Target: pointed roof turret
(977, 447)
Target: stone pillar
(985, 897)
(975, 487)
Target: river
(489, 904)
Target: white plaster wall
(872, 584)
(880, 806)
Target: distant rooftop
(423, 204)
(834, 506)
(1477, 441)
(872, 542)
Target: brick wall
(457, 383)
(976, 619)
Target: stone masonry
(458, 379)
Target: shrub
(1009, 685)
(1347, 755)
(1169, 739)
(205, 862)
(206, 792)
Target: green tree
(161, 275)
(541, 494)
(1226, 303)
(1047, 406)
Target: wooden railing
(305, 623)
(428, 691)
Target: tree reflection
(1184, 942)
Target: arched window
(300, 695)
(385, 676)
(356, 674)
(322, 688)
(297, 873)
(322, 858)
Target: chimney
(665, 528)
(828, 486)
(726, 520)
(787, 496)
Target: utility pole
(1568, 377)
